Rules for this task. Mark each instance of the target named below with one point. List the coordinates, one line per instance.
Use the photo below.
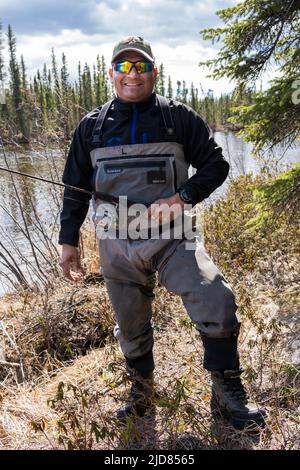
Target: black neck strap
(165, 111)
(97, 132)
(167, 118)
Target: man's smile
(133, 86)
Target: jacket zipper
(134, 121)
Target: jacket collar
(140, 106)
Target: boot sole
(122, 416)
(237, 423)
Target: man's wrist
(68, 242)
(185, 196)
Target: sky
(82, 29)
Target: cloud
(180, 61)
(86, 28)
(173, 20)
(38, 17)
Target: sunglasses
(140, 66)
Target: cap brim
(144, 54)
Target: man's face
(134, 86)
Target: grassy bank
(63, 375)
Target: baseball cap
(133, 43)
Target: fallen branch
(10, 364)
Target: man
(141, 145)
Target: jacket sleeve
(204, 154)
(78, 172)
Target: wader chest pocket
(141, 178)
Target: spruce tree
(15, 81)
(80, 92)
(103, 93)
(87, 89)
(160, 82)
(257, 35)
(23, 76)
(98, 91)
(104, 82)
(178, 91)
(194, 98)
(2, 73)
(170, 88)
(56, 87)
(65, 97)
(184, 92)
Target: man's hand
(70, 262)
(160, 209)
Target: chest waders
(141, 172)
(144, 173)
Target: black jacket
(128, 123)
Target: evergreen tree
(49, 102)
(65, 97)
(98, 91)
(170, 88)
(160, 82)
(56, 90)
(94, 84)
(184, 92)
(80, 92)
(178, 91)
(48, 91)
(76, 106)
(42, 99)
(104, 82)
(103, 94)
(194, 98)
(278, 198)
(87, 88)
(259, 34)
(15, 80)
(2, 72)
(23, 76)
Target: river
(45, 200)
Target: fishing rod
(97, 195)
(45, 180)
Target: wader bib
(145, 173)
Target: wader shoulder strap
(97, 132)
(166, 114)
(167, 117)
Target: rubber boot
(229, 400)
(140, 399)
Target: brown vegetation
(63, 375)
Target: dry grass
(182, 419)
(64, 341)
